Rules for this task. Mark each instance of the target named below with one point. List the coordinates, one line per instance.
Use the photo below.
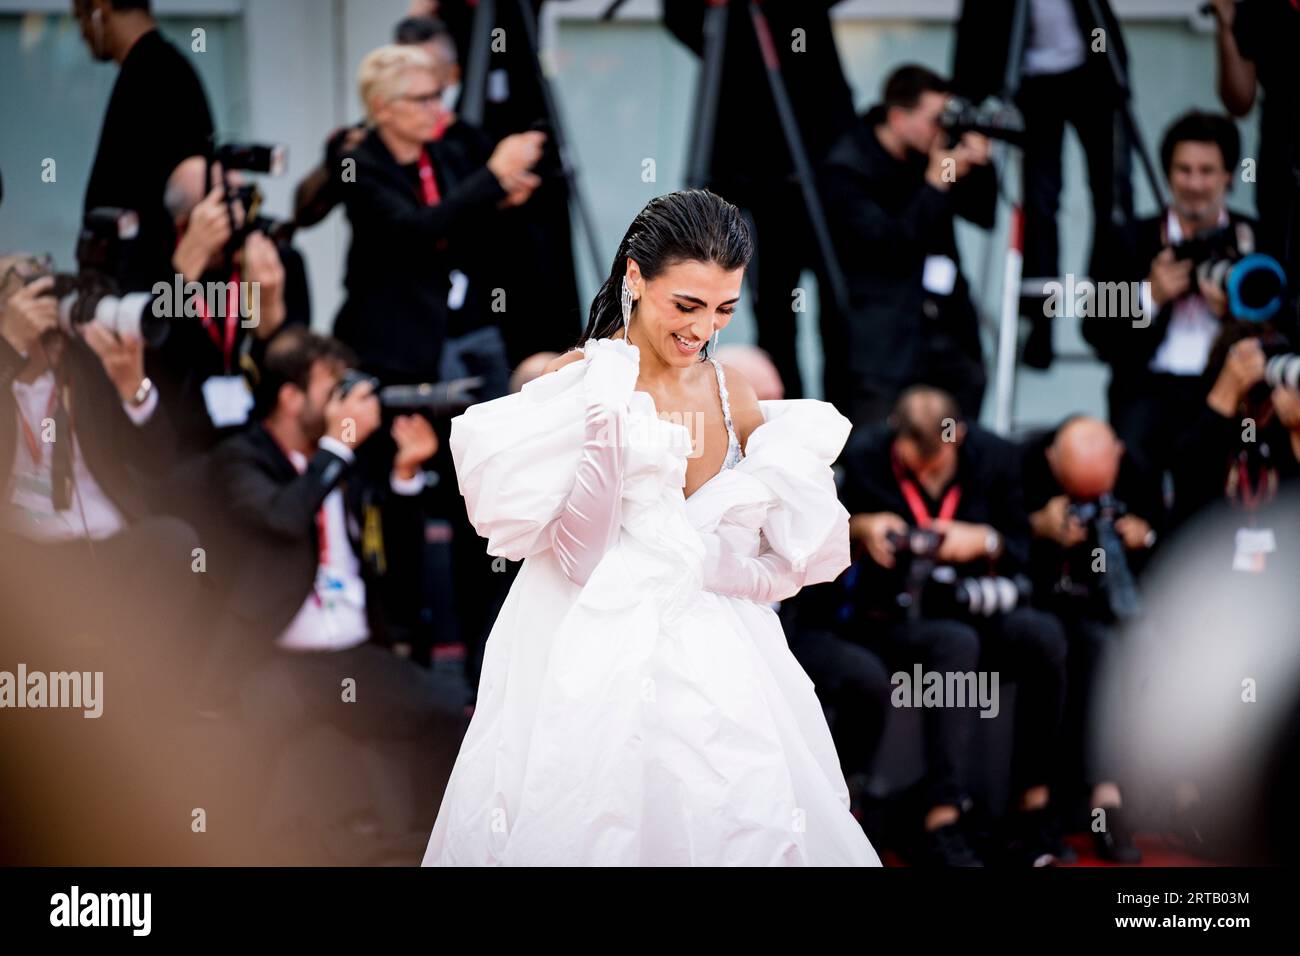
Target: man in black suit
(156, 117)
(1065, 77)
(893, 186)
(751, 165)
(306, 614)
(1158, 353)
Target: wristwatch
(141, 394)
(992, 541)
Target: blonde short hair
(382, 74)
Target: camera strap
(232, 322)
(912, 495)
(428, 184)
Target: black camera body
(265, 159)
(1254, 283)
(992, 118)
(934, 590)
(105, 248)
(436, 399)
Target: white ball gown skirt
(640, 720)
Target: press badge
(939, 275)
(1253, 544)
(459, 286)
(498, 86)
(228, 398)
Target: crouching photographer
(937, 509)
(1094, 515)
(81, 430)
(320, 517)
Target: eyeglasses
(423, 99)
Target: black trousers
(1026, 646)
(853, 687)
(1048, 104)
(1150, 411)
(785, 246)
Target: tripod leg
(705, 120)
(473, 99)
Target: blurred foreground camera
(992, 118)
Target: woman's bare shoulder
(560, 361)
(745, 413)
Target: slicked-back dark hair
(691, 225)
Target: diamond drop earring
(626, 302)
(713, 348)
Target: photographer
(415, 206)
(1244, 442)
(80, 429)
(928, 470)
(1064, 78)
(1157, 357)
(1092, 513)
(892, 186)
(307, 611)
(204, 364)
(157, 115)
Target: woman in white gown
(638, 703)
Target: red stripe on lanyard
(232, 321)
(912, 495)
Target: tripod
(704, 125)
(474, 97)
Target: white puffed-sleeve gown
(640, 720)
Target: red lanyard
(428, 184)
(232, 321)
(29, 437)
(912, 495)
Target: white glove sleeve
(589, 525)
(765, 578)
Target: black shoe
(1115, 843)
(1038, 353)
(946, 846)
(1035, 841)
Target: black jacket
(157, 116)
(402, 253)
(121, 455)
(274, 508)
(885, 220)
(984, 43)
(1117, 342)
(988, 473)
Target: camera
(1115, 579)
(270, 160)
(1283, 369)
(992, 118)
(1254, 283)
(438, 400)
(985, 596)
(104, 250)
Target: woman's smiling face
(677, 311)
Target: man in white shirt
(81, 434)
(1065, 76)
(319, 514)
(1158, 359)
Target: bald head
(757, 368)
(1085, 458)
